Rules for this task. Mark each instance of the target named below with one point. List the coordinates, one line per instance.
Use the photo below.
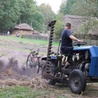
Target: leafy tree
(31, 15)
(9, 14)
(13, 12)
(38, 21)
(59, 26)
(65, 7)
(47, 12)
(80, 7)
(85, 8)
(27, 8)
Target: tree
(66, 6)
(47, 12)
(9, 14)
(80, 7)
(85, 8)
(59, 26)
(31, 15)
(27, 9)
(38, 21)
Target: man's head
(68, 25)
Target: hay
(36, 83)
(10, 77)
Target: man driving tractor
(66, 42)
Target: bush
(59, 26)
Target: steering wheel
(79, 43)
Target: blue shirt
(65, 37)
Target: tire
(29, 61)
(77, 81)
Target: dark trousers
(68, 51)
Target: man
(66, 41)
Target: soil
(13, 70)
(13, 56)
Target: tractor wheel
(77, 81)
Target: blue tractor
(83, 69)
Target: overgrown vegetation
(80, 7)
(13, 12)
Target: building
(23, 29)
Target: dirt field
(13, 71)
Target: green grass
(19, 92)
(50, 92)
(26, 92)
(25, 40)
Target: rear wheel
(77, 81)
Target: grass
(25, 40)
(50, 92)
(22, 92)
(19, 92)
(26, 92)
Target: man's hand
(81, 41)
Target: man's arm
(74, 38)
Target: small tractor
(82, 70)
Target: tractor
(82, 70)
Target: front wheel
(77, 81)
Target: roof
(76, 21)
(23, 26)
